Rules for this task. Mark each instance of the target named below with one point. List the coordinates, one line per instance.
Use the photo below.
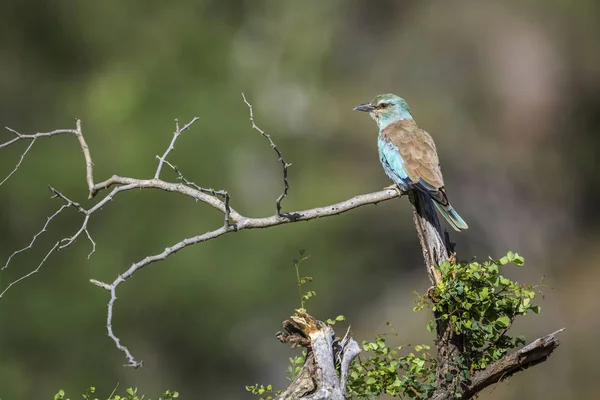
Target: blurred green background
(509, 90)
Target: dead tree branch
(218, 199)
(534, 353)
(318, 378)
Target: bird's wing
(418, 151)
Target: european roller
(408, 153)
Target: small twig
(43, 230)
(62, 243)
(171, 147)
(280, 158)
(92, 242)
(217, 193)
(67, 200)
(20, 136)
(114, 390)
(19, 163)
(82, 143)
(56, 245)
(89, 165)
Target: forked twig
(280, 158)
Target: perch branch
(218, 199)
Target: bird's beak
(364, 107)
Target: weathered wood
(318, 379)
(436, 248)
(534, 353)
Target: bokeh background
(510, 91)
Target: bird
(408, 153)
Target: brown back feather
(419, 154)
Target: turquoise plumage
(408, 153)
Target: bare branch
(89, 165)
(34, 136)
(43, 230)
(221, 193)
(61, 244)
(171, 147)
(77, 132)
(528, 356)
(132, 183)
(241, 223)
(233, 220)
(218, 199)
(19, 163)
(56, 245)
(92, 242)
(284, 164)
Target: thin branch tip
(103, 285)
(285, 165)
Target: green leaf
(518, 260)
(503, 321)
(484, 293)
(430, 326)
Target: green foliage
(304, 296)
(477, 302)
(385, 371)
(265, 392)
(339, 318)
(481, 305)
(130, 394)
(295, 366)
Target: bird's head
(386, 109)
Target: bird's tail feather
(451, 216)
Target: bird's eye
(383, 105)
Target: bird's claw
(395, 187)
